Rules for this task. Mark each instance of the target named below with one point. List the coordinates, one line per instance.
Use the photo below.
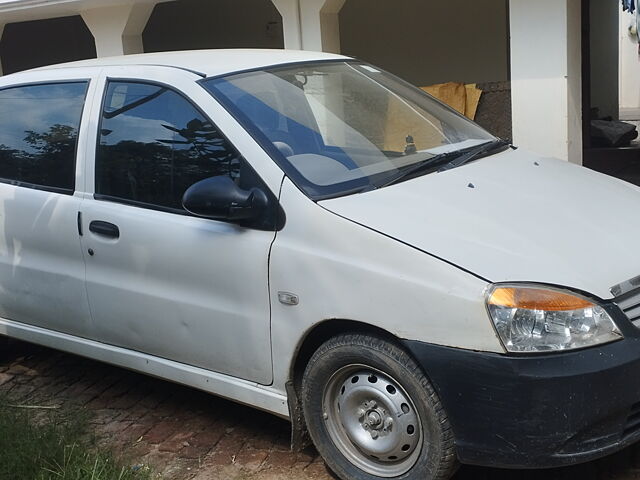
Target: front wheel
(372, 413)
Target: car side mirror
(220, 198)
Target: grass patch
(39, 444)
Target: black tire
(433, 456)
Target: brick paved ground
(186, 434)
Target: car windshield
(338, 128)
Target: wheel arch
(323, 331)
(309, 343)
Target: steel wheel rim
(372, 421)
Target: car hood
(513, 216)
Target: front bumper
(538, 411)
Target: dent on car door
(159, 280)
(41, 263)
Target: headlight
(541, 319)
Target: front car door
(161, 281)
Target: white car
(307, 234)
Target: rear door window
(39, 133)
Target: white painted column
(546, 77)
(320, 24)
(290, 12)
(117, 30)
(311, 24)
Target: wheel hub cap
(372, 421)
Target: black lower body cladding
(537, 411)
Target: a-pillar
(546, 77)
(117, 30)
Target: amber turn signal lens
(536, 299)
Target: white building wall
(629, 70)
(546, 77)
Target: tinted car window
(154, 144)
(39, 132)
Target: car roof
(209, 63)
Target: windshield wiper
(460, 157)
(473, 154)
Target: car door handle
(105, 229)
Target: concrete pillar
(546, 77)
(117, 30)
(320, 24)
(290, 12)
(311, 24)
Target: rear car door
(41, 263)
(159, 280)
